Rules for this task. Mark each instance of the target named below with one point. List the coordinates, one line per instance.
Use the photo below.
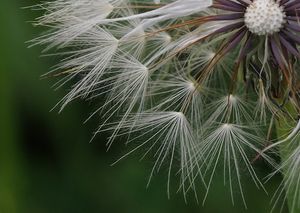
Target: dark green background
(47, 164)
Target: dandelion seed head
(264, 17)
(183, 76)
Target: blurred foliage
(47, 164)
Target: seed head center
(264, 17)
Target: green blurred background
(47, 164)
